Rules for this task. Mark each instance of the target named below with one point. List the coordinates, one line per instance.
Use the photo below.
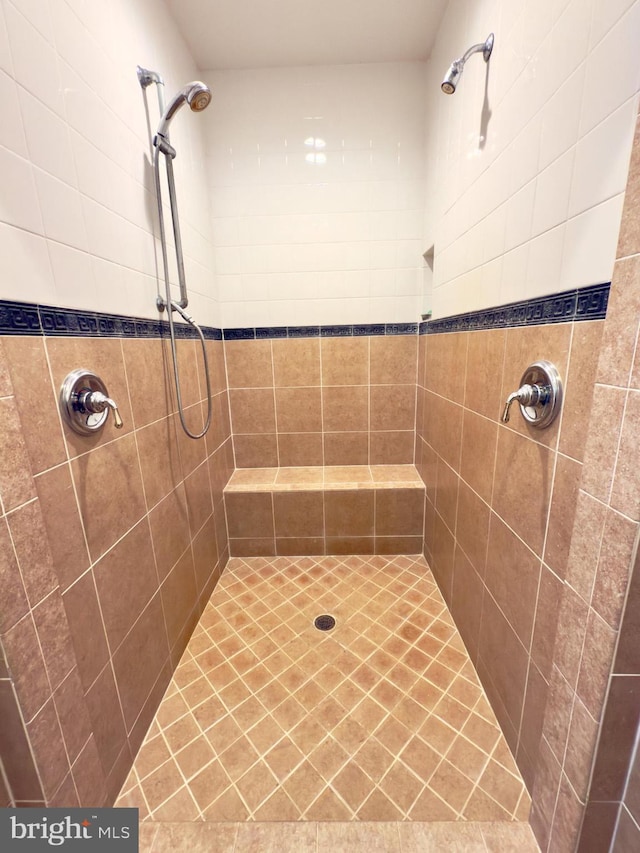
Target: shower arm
(484, 48)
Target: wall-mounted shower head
(196, 94)
(454, 73)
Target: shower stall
(158, 639)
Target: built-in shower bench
(362, 509)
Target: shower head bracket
(488, 47)
(147, 77)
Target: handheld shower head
(197, 94)
(454, 73)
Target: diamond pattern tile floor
(381, 718)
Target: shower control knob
(539, 395)
(96, 402)
(85, 403)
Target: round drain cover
(324, 622)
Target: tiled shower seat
(361, 509)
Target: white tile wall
(546, 189)
(77, 208)
(316, 183)
(308, 195)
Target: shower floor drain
(324, 622)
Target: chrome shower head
(454, 73)
(196, 94)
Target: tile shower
(81, 633)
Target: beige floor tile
(381, 719)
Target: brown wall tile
(614, 566)
(391, 447)
(349, 513)
(24, 660)
(41, 426)
(299, 410)
(512, 576)
(479, 442)
(466, 601)
(297, 547)
(109, 489)
(198, 491)
(392, 407)
(566, 483)
(205, 554)
(399, 512)
(345, 408)
(34, 557)
(61, 517)
(159, 455)
(249, 515)
(71, 708)
(345, 361)
(122, 591)
(472, 529)
(300, 449)
(602, 442)
(249, 364)
(617, 736)
(528, 518)
(14, 747)
(578, 387)
(393, 360)
(140, 658)
(598, 827)
(500, 649)
(446, 364)
(15, 604)
(296, 362)
(446, 494)
(169, 523)
(256, 451)
(55, 640)
(252, 547)
(252, 411)
(350, 544)
(148, 365)
(85, 623)
(619, 337)
(298, 514)
(346, 448)
(47, 743)
(107, 725)
(625, 495)
(16, 483)
(485, 360)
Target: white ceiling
(267, 33)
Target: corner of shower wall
(112, 546)
(590, 724)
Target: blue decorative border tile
(19, 318)
(270, 332)
(585, 303)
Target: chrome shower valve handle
(96, 401)
(85, 403)
(539, 395)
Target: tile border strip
(24, 318)
(584, 303)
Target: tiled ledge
(311, 837)
(324, 477)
